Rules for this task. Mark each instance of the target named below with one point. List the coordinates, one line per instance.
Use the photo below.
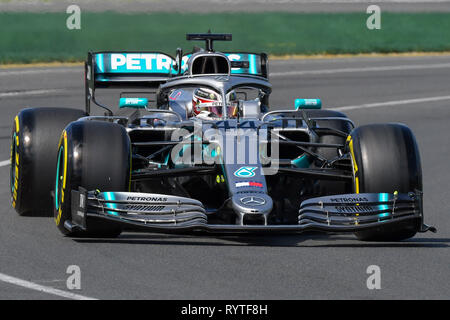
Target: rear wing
(255, 64)
(125, 69)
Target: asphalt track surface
(413, 90)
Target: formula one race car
(194, 147)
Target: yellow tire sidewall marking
(354, 164)
(17, 124)
(15, 162)
(61, 141)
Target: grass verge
(43, 37)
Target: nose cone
(252, 206)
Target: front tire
(93, 155)
(385, 159)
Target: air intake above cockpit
(209, 63)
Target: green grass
(42, 37)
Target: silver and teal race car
(194, 145)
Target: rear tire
(34, 144)
(93, 155)
(386, 158)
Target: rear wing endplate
(128, 69)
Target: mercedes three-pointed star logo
(251, 200)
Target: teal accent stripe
(382, 215)
(100, 63)
(383, 197)
(301, 162)
(109, 196)
(58, 174)
(252, 59)
(166, 161)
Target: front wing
(168, 213)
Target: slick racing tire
(95, 155)
(34, 143)
(331, 187)
(385, 159)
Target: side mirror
(308, 104)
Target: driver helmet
(205, 99)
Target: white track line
(38, 71)
(391, 103)
(273, 74)
(28, 93)
(369, 1)
(361, 69)
(41, 288)
(4, 163)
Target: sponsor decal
(249, 184)
(138, 103)
(147, 199)
(341, 200)
(128, 101)
(252, 59)
(145, 208)
(354, 209)
(162, 63)
(133, 63)
(254, 63)
(245, 172)
(141, 61)
(252, 200)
